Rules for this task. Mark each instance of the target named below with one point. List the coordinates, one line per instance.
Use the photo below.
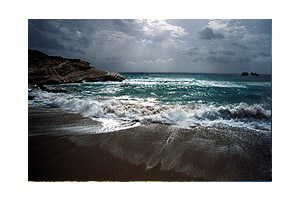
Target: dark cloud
(208, 34)
(44, 25)
(227, 52)
(78, 37)
(124, 25)
(38, 40)
(219, 59)
(265, 54)
(197, 59)
(214, 59)
(212, 52)
(72, 49)
(111, 59)
(243, 59)
(220, 53)
(51, 34)
(193, 51)
(110, 44)
(258, 26)
(239, 45)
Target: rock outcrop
(44, 69)
(245, 74)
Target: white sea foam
(124, 112)
(202, 83)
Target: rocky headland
(44, 69)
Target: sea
(182, 100)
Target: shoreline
(58, 156)
(61, 147)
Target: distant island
(247, 74)
(44, 69)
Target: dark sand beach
(65, 156)
(64, 147)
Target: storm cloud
(239, 45)
(213, 46)
(208, 34)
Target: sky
(172, 45)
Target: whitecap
(121, 112)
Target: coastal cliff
(44, 69)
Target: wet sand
(63, 147)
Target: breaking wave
(120, 113)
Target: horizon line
(195, 73)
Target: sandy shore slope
(63, 147)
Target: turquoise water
(183, 100)
(191, 89)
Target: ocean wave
(118, 113)
(183, 81)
